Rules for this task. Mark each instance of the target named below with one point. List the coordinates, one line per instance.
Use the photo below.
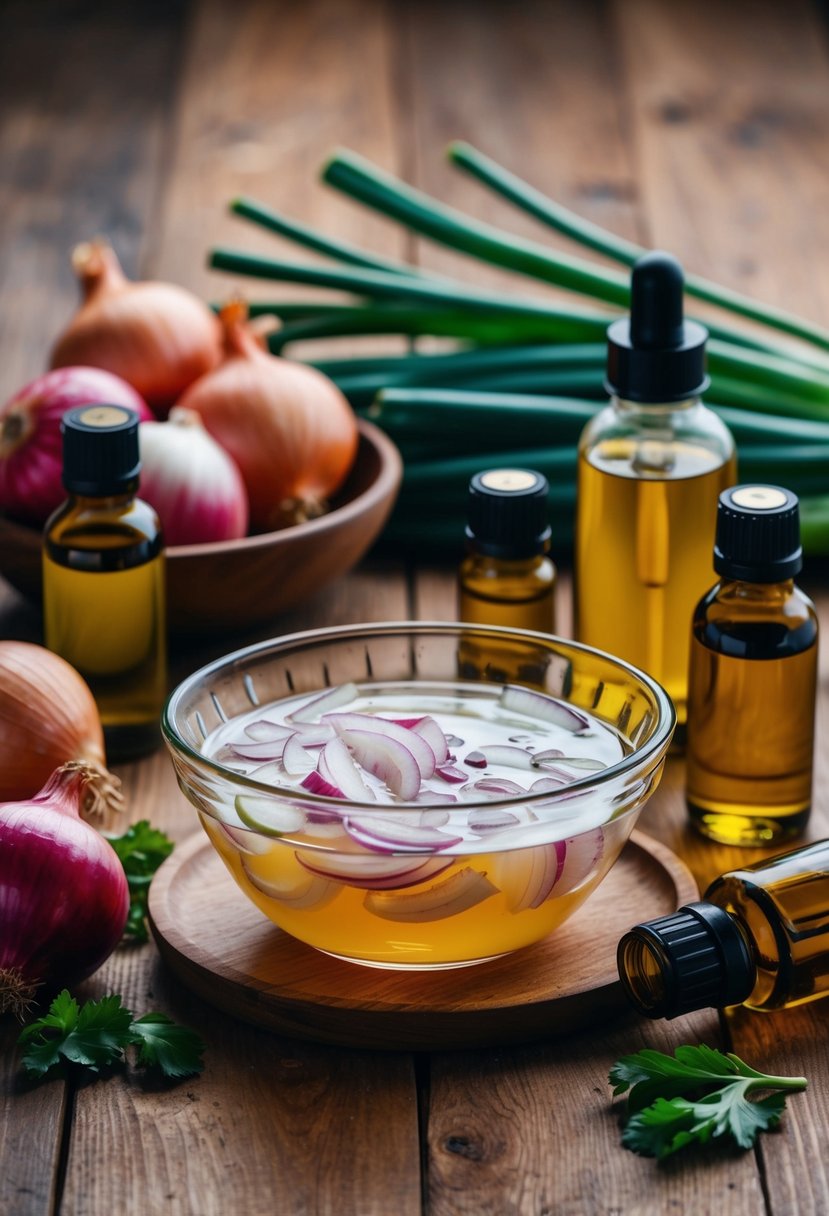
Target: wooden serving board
(224, 949)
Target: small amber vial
(759, 937)
(103, 578)
(507, 577)
(753, 677)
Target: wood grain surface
(700, 127)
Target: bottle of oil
(759, 937)
(651, 466)
(103, 578)
(753, 677)
(507, 577)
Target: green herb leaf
(140, 850)
(696, 1096)
(94, 1034)
(97, 1034)
(174, 1049)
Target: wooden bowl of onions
(241, 584)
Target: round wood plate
(225, 951)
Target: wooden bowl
(236, 585)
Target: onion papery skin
(48, 716)
(63, 892)
(289, 429)
(31, 446)
(158, 336)
(191, 481)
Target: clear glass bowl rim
(638, 760)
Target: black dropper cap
(758, 534)
(507, 513)
(695, 958)
(655, 355)
(100, 449)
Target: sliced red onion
(269, 815)
(454, 895)
(306, 891)
(271, 773)
(384, 727)
(448, 772)
(498, 785)
(386, 758)
(429, 729)
(583, 855)
(437, 797)
(336, 762)
(546, 785)
(314, 736)
(528, 876)
(507, 756)
(453, 742)
(315, 783)
(332, 698)
(485, 820)
(263, 730)
(388, 834)
(295, 759)
(371, 871)
(270, 750)
(542, 707)
(475, 759)
(582, 762)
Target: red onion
(31, 448)
(191, 482)
(63, 892)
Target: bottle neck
(755, 593)
(654, 409)
(113, 501)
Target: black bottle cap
(655, 355)
(758, 534)
(507, 513)
(100, 449)
(700, 958)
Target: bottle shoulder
(680, 421)
(756, 621)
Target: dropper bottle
(651, 467)
(759, 937)
(103, 578)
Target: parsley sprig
(140, 850)
(696, 1096)
(97, 1034)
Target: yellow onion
(157, 336)
(289, 429)
(48, 717)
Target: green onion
(537, 204)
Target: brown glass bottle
(759, 937)
(103, 578)
(752, 677)
(507, 577)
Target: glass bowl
(429, 881)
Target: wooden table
(696, 127)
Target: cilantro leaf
(94, 1034)
(174, 1049)
(695, 1096)
(97, 1034)
(140, 850)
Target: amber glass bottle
(651, 465)
(507, 577)
(759, 937)
(103, 578)
(753, 677)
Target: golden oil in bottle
(507, 577)
(759, 937)
(753, 677)
(651, 466)
(103, 578)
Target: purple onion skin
(63, 895)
